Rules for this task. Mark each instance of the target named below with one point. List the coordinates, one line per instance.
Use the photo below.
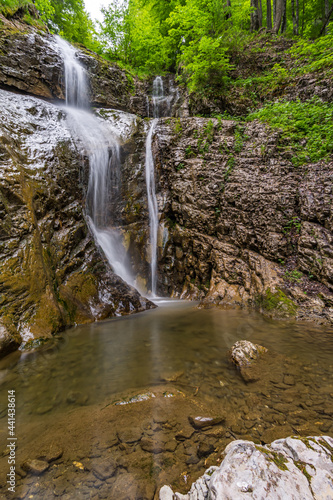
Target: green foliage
(293, 276)
(310, 56)
(199, 40)
(295, 223)
(239, 138)
(71, 21)
(45, 9)
(113, 31)
(11, 6)
(205, 64)
(307, 127)
(178, 129)
(188, 152)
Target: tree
(269, 14)
(327, 19)
(115, 31)
(255, 16)
(279, 12)
(71, 21)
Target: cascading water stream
(158, 96)
(102, 146)
(152, 206)
(158, 100)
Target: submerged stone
(201, 422)
(245, 356)
(35, 466)
(244, 353)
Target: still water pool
(117, 395)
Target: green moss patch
(277, 302)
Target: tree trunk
(284, 17)
(293, 16)
(274, 12)
(228, 10)
(327, 20)
(327, 15)
(303, 16)
(279, 5)
(297, 17)
(255, 15)
(260, 14)
(269, 15)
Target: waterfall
(102, 145)
(152, 205)
(158, 102)
(75, 77)
(158, 96)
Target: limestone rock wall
(244, 226)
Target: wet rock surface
(30, 62)
(246, 356)
(52, 275)
(290, 468)
(244, 353)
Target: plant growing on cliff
(189, 153)
(294, 223)
(307, 127)
(293, 276)
(239, 138)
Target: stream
(121, 391)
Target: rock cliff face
(30, 62)
(240, 225)
(245, 226)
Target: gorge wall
(239, 224)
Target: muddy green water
(183, 348)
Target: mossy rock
(76, 295)
(277, 304)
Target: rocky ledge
(290, 468)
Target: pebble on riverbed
(36, 467)
(201, 422)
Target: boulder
(245, 356)
(290, 468)
(244, 353)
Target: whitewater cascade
(152, 205)
(102, 146)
